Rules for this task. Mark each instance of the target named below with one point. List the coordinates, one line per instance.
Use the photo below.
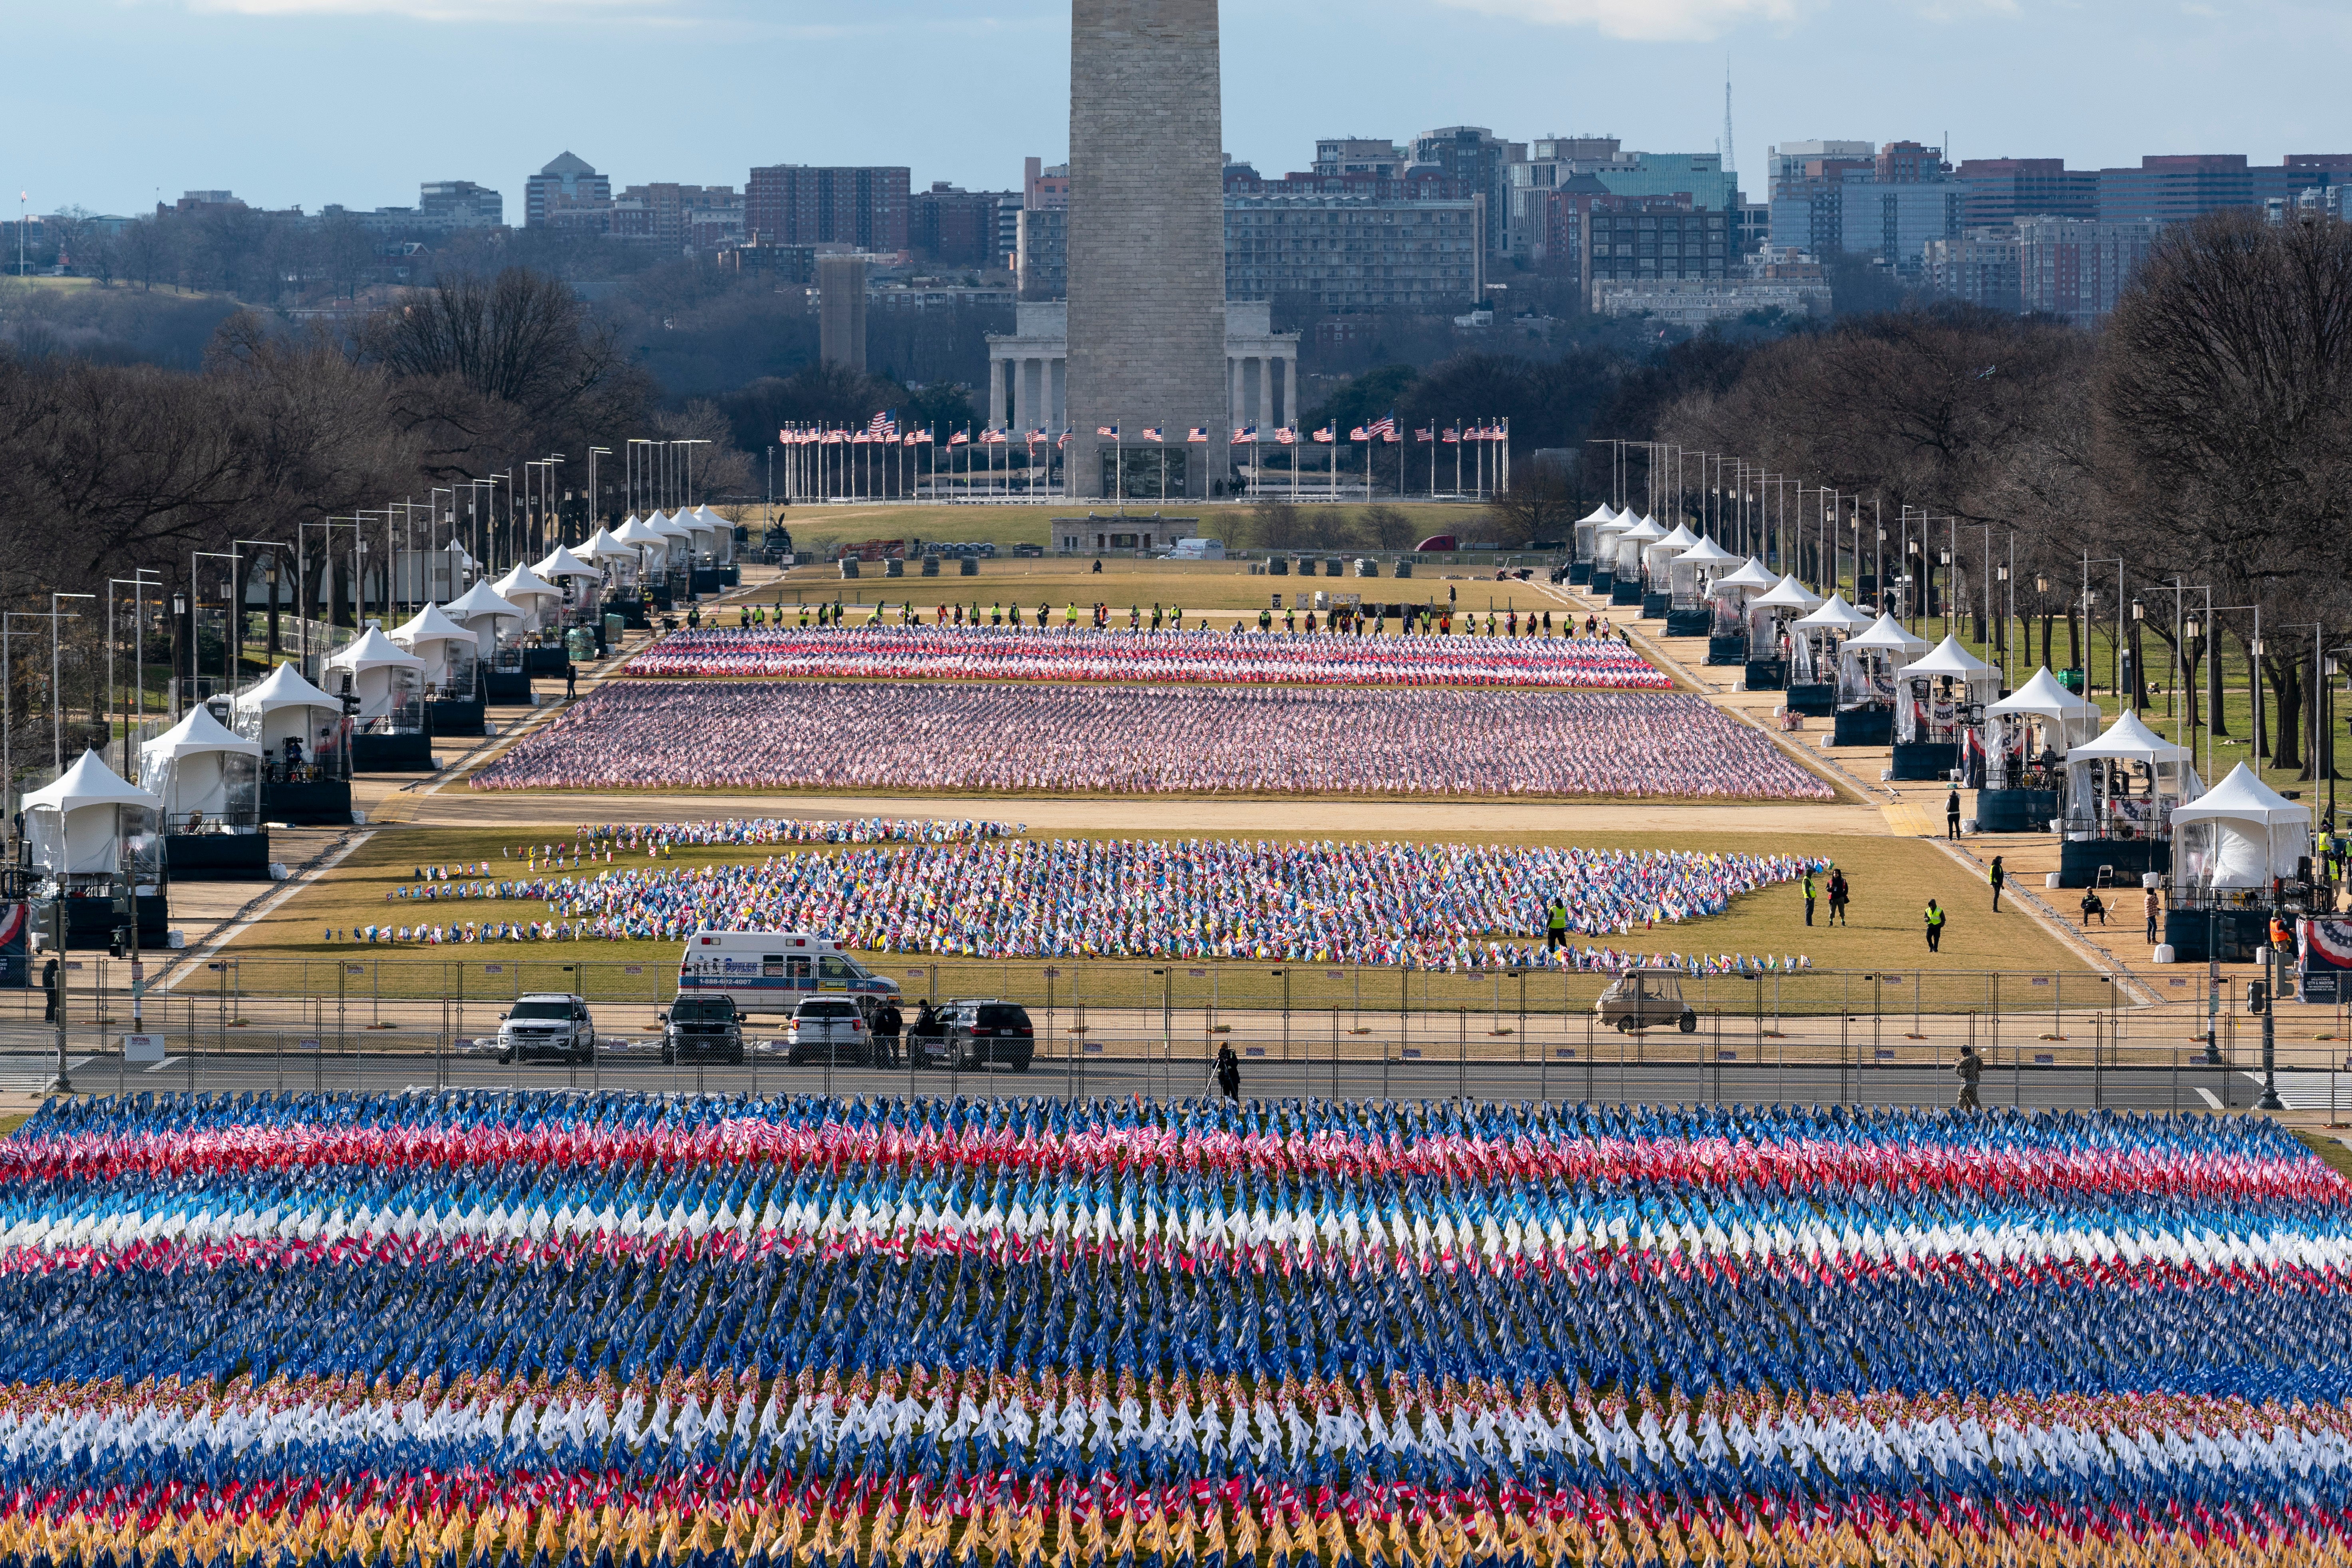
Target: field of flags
(882, 652)
(1449, 907)
(580, 1330)
(1150, 740)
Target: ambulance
(772, 970)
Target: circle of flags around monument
(576, 1330)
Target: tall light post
(596, 497)
(138, 583)
(57, 690)
(2117, 677)
(196, 610)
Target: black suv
(702, 1028)
(973, 1032)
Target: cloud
(1643, 20)
(449, 10)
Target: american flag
(1035, 437)
(1426, 433)
(1110, 430)
(1285, 435)
(1328, 433)
(1360, 433)
(836, 438)
(1383, 428)
(1197, 433)
(992, 438)
(962, 437)
(1152, 432)
(1245, 437)
(883, 424)
(1063, 439)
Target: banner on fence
(2324, 952)
(142, 1050)
(16, 968)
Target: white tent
(683, 550)
(1658, 555)
(562, 564)
(1729, 593)
(2067, 721)
(284, 708)
(1631, 543)
(1770, 610)
(1835, 614)
(2126, 740)
(636, 531)
(2101, 801)
(447, 649)
(617, 558)
(479, 609)
(1941, 686)
(1868, 660)
(1813, 637)
(2239, 835)
(90, 821)
(719, 532)
(538, 599)
(1588, 527)
(1605, 536)
(1692, 573)
(199, 765)
(388, 680)
(1888, 636)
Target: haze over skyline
(317, 101)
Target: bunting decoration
(1152, 739)
(879, 651)
(553, 1330)
(1450, 907)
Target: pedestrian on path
(570, 680)
(1952, 814)
(1809, 895)
(1840, 892)
(1935, 918)
(49, 983)
(2152, 904)
(1971, 1066)
(1999, 879)
(1228, 1072)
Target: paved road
(2189, 1088)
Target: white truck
(772, 970)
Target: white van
(1198, 549)
(771, 971)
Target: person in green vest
(1556, 925)
(1809, 895)
(1935, 918)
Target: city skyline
(1987, 75)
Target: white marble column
(1057, 369)
(996, 369)
(1265, 392)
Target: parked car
(981, 1031)
(702, 1028)
(1028, 552)
(1647, 999)
(829, 1029)
(548, 1026)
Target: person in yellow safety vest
(1556, 925)
(1935, 918)
(1809, 895)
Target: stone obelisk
(1147, 239)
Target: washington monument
(1146, 243)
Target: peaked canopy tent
(305, 737)
(682, 553)
(2026, 736)
(446, 649)
(386, 678)
(616, 561)
(1689, 577)
(1588, 527)
(1768, 615)
(1605, 550)
(1727, 593)
(1813, 639)
(1939, 711)
(718, 530)
(1657, 570)
(1625, 585)
(209, 779)
(540, 601)
(2122, 790)
(561, 564)
(83, 833)
(1867, 663)
(2237, 843)
(636, 531)
(480, 609)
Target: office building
(796, 204)
(955, 227)
(1478, 162)
(1375, 156)
(2076, 268)
(1348, 251)
(460, 203)
(566, 181)
(2002, 190)
(1632, 238)
(1979, 267)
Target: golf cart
(1647, 999)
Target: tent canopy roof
(1752, 576)
(431, 624)
(1682, 538)
(373, 651)
(2129, 741)
(635, 530)
(2043, 696)
(1948, 658)
(1886, 634)
(1707, 553)
(90, 782)
(198, 732)
(562, 563)
(523, 580)
(287, 689)
(2241, 798)
(480, 600)
(1788, 594)
(1835, 615)
(1599, 514)
(1644, 531)
(603, 546)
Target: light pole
(138, 583)
(56, 691)
(595, 496)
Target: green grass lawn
(819, 528)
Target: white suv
(830, 1028)
(548, 1024)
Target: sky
(114, 103)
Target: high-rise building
(2077, 268)
(1632, 238)
(795, 203)
(1376, 156)
(1041, 254)
(460, 203)
(1339, 251)
(1844, 202)
(1479, 162)
(567, 181)
(1980, 266)
(951, 225)
(2174, 188)
(1147, 286)
(2002, 190)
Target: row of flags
(883, 429)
